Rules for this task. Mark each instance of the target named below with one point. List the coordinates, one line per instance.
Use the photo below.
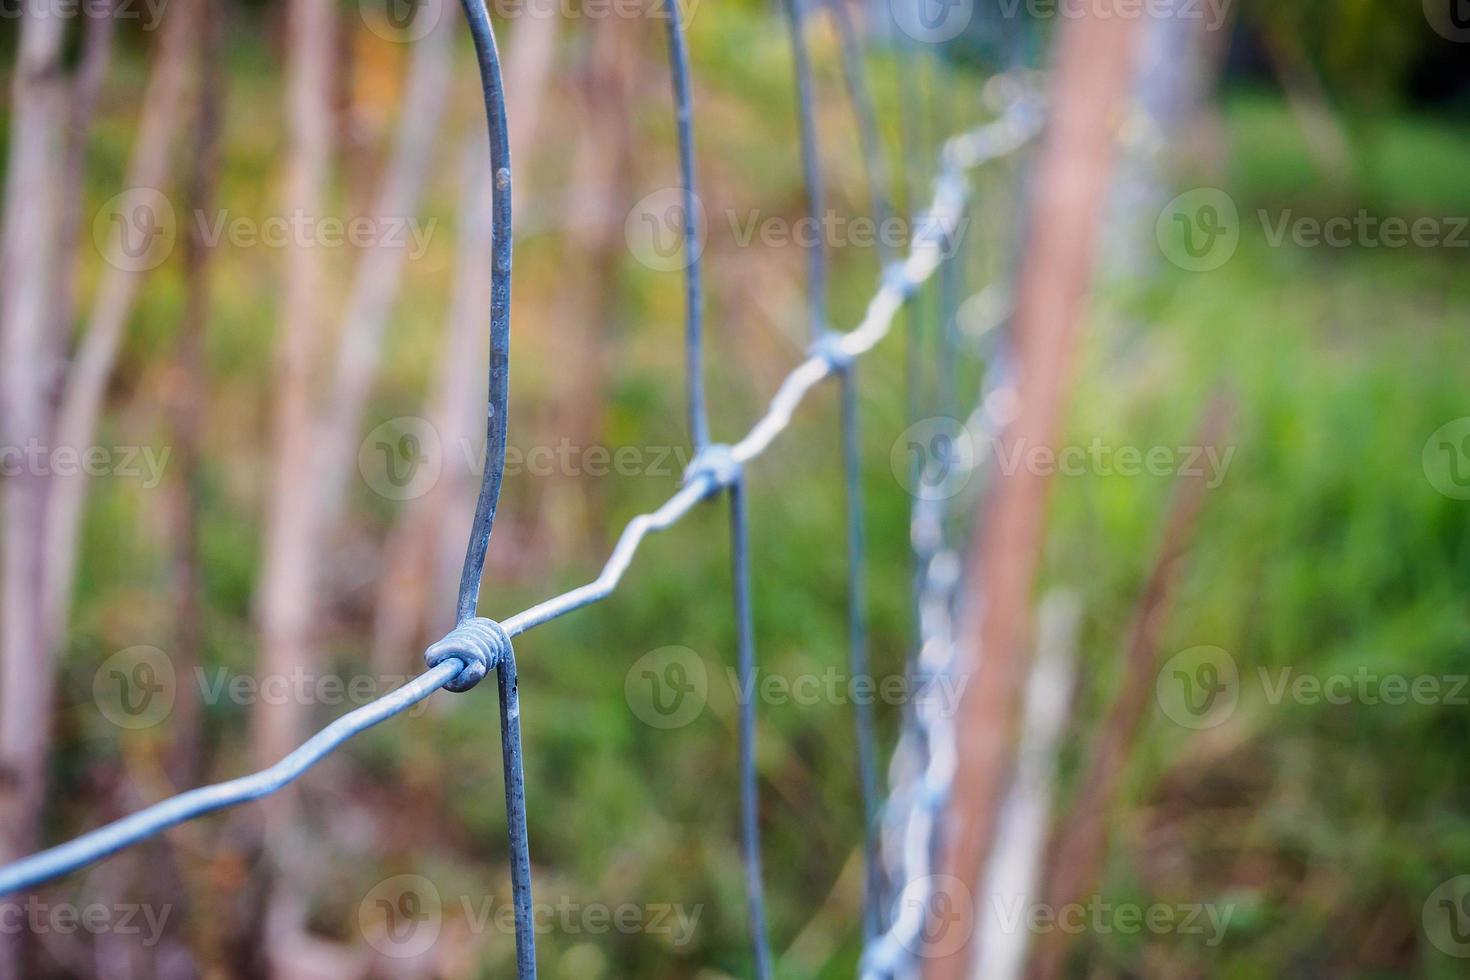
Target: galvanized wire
(697, 411)
(925, 760)
(717, 469)
(811, 167)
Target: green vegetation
(1325, 550)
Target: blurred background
(244, 300)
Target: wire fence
(924, 762)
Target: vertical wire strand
(811, 168)
(858, 659)
(501, 252)
(749, 799)
(515, 813)
(498, 395)
(866, 117)
(693, 287)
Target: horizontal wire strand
(990, 141)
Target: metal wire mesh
(924, 760)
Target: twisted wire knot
(480, 644)
(829, 349)
(718, 463)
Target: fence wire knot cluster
(478, 646)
